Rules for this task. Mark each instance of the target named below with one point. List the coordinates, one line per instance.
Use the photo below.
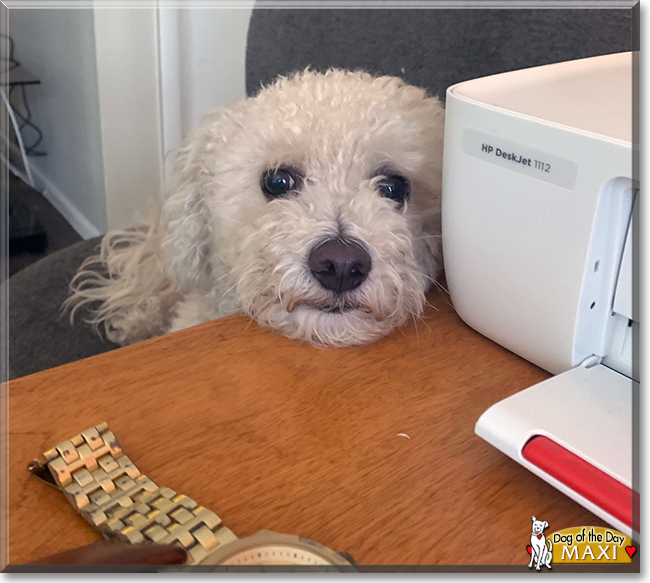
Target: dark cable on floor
(25, 120)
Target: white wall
(58, 47)
(203, 57)
(120, 88)
(126, 45)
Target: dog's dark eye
(277, 182)
(395, 187)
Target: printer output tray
(575, 430)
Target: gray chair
(432, 48)
(40, 334)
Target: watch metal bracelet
(116, 499)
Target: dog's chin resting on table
(314, 207)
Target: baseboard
(78, 221)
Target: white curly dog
(314, 207)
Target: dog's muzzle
(340, 265)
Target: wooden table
(275, 434)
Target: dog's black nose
(340, 264)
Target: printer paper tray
(584, 413)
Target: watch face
(272, 548)
(276, 554)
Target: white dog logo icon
(539, 551)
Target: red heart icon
(529, 549)
(539, 536)
(630, 551)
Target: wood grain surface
(274, 434)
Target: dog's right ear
(185, 218)
(534, 519)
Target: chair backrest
(430, 48)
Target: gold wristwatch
(117, 500)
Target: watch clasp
(41, 471)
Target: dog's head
(317, 203)
(539, 526)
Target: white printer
(539, 220)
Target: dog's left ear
(545, 524)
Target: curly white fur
(218, 245)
